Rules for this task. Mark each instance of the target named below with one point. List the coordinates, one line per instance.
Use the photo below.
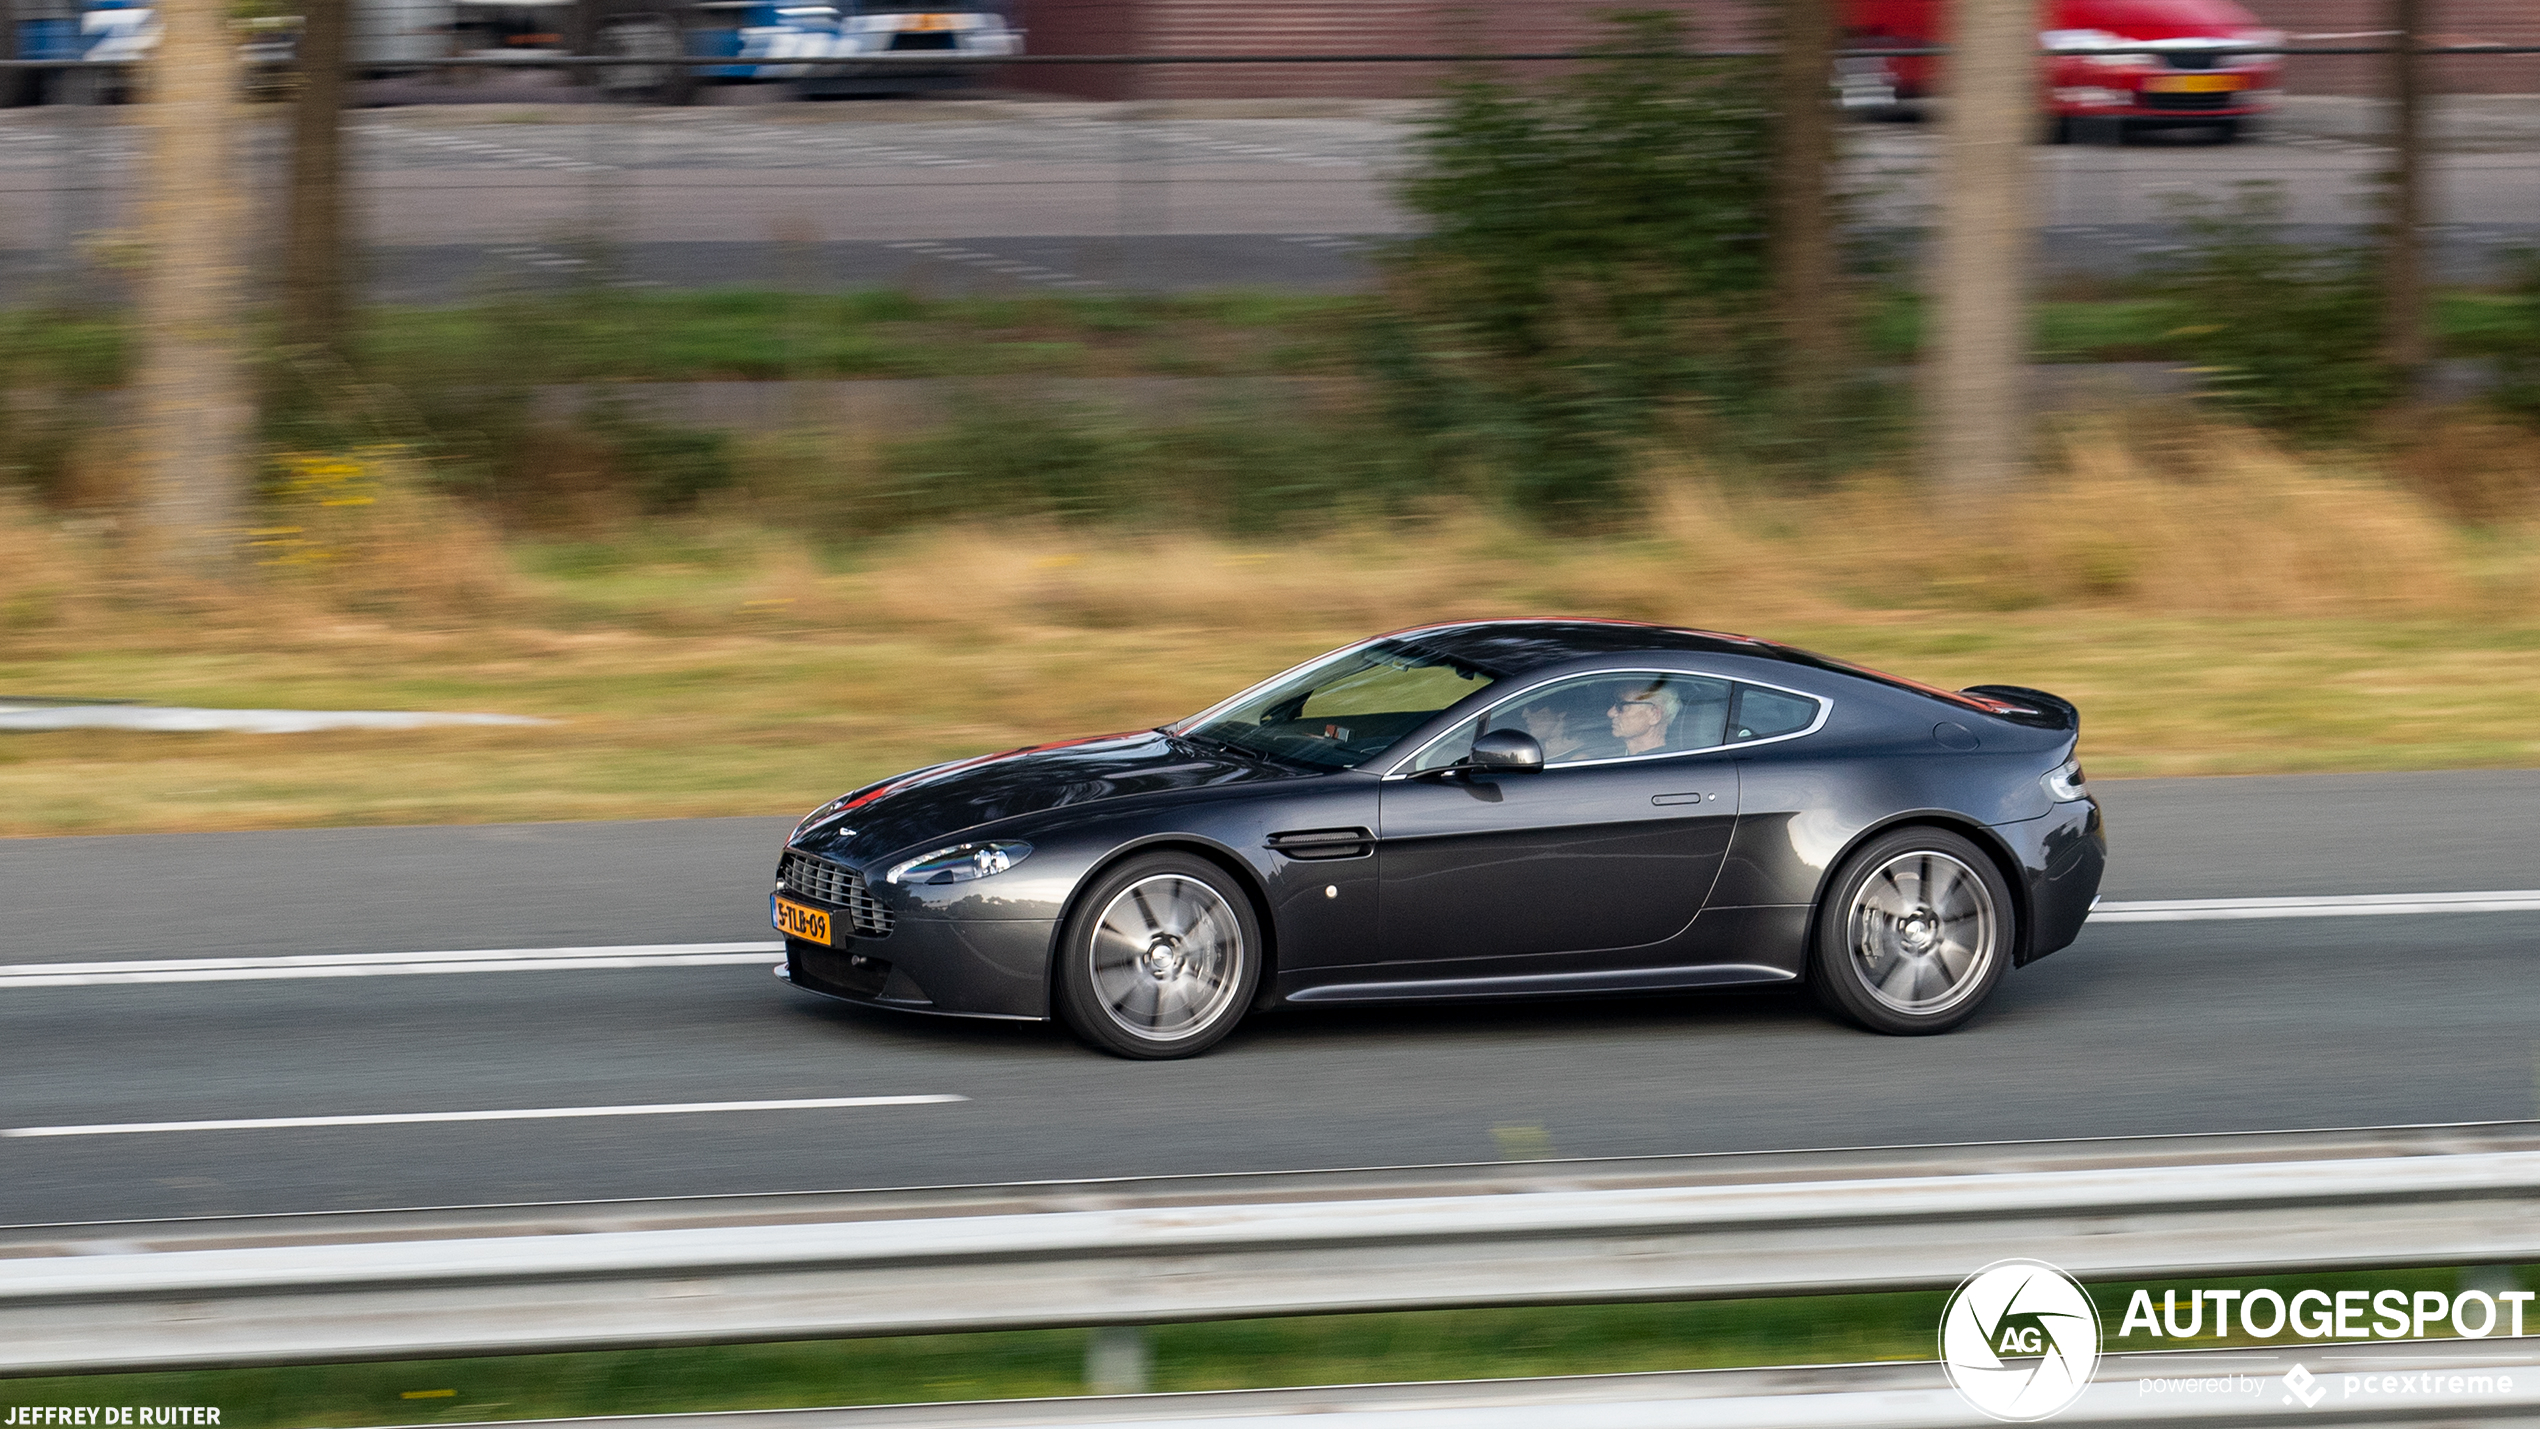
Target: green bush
(1594, 258)
(2511, 340)
(1262, 465)
(667, 467)
(2287, 335)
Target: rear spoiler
(2035, 708)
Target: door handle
(1682, 798)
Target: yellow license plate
(931, 22)
(795, 921)
(2193, 83)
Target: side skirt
(1469, 989)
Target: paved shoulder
(2283, 835)
(386, 890)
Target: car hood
(943, 801)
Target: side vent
(1324, 843)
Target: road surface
(1008, 197)
(2139, 1028)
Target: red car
(2176, 63)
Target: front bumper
(984, 968)
(2128, 98)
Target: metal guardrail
(507, 1279)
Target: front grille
(2224, 100)
(2196, 59)
(939, 40)
(840, 887)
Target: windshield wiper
(1227, 746)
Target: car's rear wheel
(1916, 929)
(1160, 958)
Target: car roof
(1516, 647)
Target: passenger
(1641, 718)
(1550, 724)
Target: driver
(1640, 718)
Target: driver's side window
(1601, 717)
(1454, 748)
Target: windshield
(1344, 709)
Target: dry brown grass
(2248, 532)
(2214, 606)
(2473, 464)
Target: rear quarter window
(1767, 714)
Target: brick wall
(2513, 22)
(1080, 27)
(1339, 27)
(1316, 27)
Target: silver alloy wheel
(1922, 932)
(1166, 957)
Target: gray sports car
(1494, 809)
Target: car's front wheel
(1160, 958)
(1916, 929)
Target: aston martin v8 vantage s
(1513, 808)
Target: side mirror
(1506, 751)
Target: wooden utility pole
(313, 301)
(1975, 399)
(1807, 274)
(195, 413)
(2404, 341)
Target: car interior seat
(1701, 724)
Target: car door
(1603, 851)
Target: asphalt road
(2137, 1029)
(453, 201)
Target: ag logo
(2020, 1340)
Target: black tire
(1916, 929)
(1160, 958)
(2225, 131)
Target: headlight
(2065, 782)
(960, 863)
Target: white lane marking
(666, 955)
(488, 960)
(171, 719)
(2351, 905)
(269, 1123)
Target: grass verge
(1248, 1354)
(728, 334)
(751, 334)
(2214, 608)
